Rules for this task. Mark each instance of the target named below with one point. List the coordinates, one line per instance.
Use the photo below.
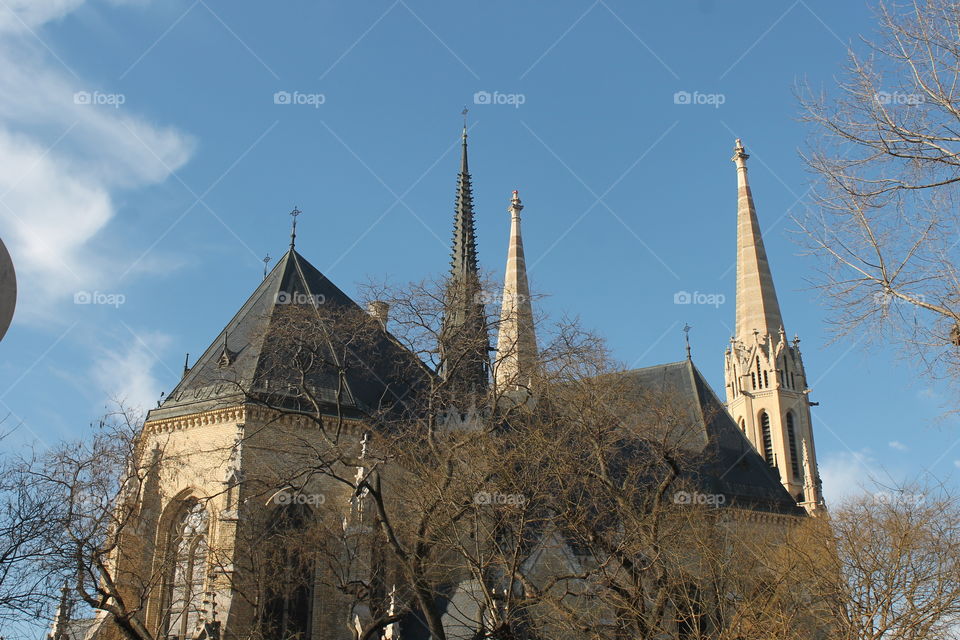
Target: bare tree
(25, 525)
(884, 154)
(895, 557)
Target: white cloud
(23, 14)
(846, 474)
(899, 446)
(125, 372)
(62, 163)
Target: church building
(187, 557)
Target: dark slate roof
(382, 374)
(727, 463)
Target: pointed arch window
(290, 586)
(767, 438)
(759, 374)
(187, 574)
(794, 451)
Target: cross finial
(293, 230)
(686, 337)
(464, 114)
(266, 261)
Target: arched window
(767, 438)
(743, 425)
(794, 452)
(759, 373)
(187, 571)
(290, 567)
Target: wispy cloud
(846, 474)
(899, 446)
(125, 371)
(67, 148)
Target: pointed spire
(464, 342)
(517, 340)
(464, 263)
(757, 306)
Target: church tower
(517, 340)
(766, 383)
(464, 341)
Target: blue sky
(144, 158)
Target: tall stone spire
(517, 341)
(757, 306)
(464, 263)
(464, 342)
(766, 382)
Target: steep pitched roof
(728, 464)
(245, 353)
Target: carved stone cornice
(201, 419)
(242, 414)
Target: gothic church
(762, 452)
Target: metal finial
(464, 114)
(293, 230)
(266, 261)
(686, 337)
(186, 365)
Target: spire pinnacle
(757, 307)
(517, 340)
(293, 228)
(464, 338)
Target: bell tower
(766, 383)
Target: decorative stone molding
(204, 418)
(241, 414)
